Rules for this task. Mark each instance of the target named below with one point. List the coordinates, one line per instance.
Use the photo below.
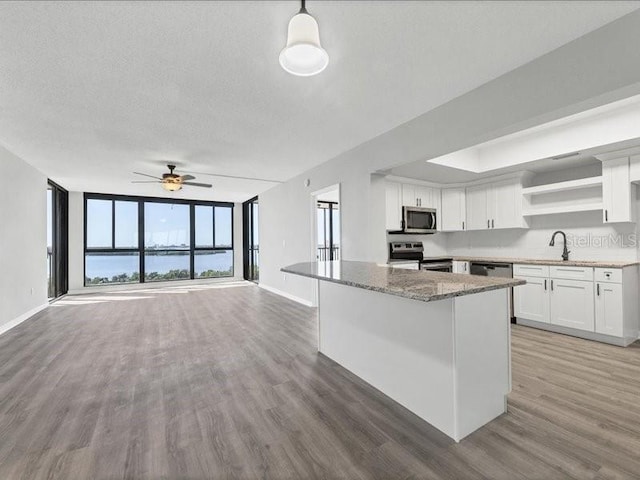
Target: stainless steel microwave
(418, 220)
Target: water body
(109, 266)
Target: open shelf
(563, 186)
(550, 210)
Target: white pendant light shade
(303, 55)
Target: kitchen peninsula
(437, 343)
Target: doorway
(57, 240)
(251, 240)
(327, 209)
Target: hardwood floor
(226, 383)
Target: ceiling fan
(172, 181)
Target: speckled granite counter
(417, 285)
(537, 261)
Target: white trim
(522, 175)
(25, 316)
(286, 295)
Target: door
(572, 304)
(531, 300)
(476, 206)
(393, 194)
(251, 240)
(453, 210)
(505, 205)
(409, 197)
(609, 312)
(57, 240)
(616, 191)
(425, 197)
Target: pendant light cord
(302, 7)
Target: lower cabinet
(571, 304)
(460, 266)
(606, 306)
(531, 301)
(609, 309)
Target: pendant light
(303, 55)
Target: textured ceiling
(91, 91)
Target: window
(111, 242)
(136, 239)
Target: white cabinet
(453, 212)
(476, 207)
(531, 301)
(505, 206)
(571, 304)
(495, 205)
(393, 195)
(618, 194)
(609, 309)
(599, 304)
(420, 196)
(460, 266)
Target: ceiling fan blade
(186, 178)
(195, 184)
(145, 175)
(145, 181)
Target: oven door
(418, 220)
(437, 267)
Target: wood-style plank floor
(226, 383)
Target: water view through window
(114, 253)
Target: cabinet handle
(598, 288)
(552, 285)
(488, 223)
(606, 215)
(545, 284)
(463, 225)
(492, 225)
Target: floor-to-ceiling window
(328, 216)
(136, 239)
(57, 240)
(251, 240)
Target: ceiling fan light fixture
(171, 184)
(303, 55)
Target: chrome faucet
(565, 252)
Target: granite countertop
(537, 261)
(425, 286)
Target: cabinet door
(616, 191)
(393, 192)
(572, 304)
(453, 211)
(409, 197)
(505, 205)
(424, 196)
(531, 301)
(476, 202)
(609, 311)
(460, 266)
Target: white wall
(596, 69)
(23, 240)
(76, 250)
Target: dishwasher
(495, 269)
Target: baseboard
(596, 337)
(18, 320)
(307, 303)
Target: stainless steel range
(414, 252)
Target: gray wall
(23, 239)
(593, 70)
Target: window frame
(140, 249)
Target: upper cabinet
(495, 205)
(453, 214)
(419, 196)
(393, 195)
(618, 194)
